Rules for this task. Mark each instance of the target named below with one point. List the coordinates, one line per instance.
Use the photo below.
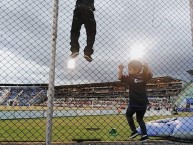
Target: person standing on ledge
(136, 80)
(83, 14)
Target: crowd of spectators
(24, 96)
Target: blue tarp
(180, 127)
(189, 100)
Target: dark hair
(135, 64)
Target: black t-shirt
(137, 89)
(89, 3)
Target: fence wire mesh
(90, 102)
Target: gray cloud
(163, 27)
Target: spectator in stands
(136, 80)
(83, 14)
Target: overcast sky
(161, 27)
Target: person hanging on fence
(136, 80)
(83, 14)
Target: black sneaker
(144, 138)
(134, 134)
(74, 54)
(88, 57)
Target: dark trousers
(83, 15)
(140, 112)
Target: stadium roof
(118, 83)
(165, 79)
(23, 85)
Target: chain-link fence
(46, 96)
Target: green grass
(69, 128)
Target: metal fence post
(191, 17)
(52, 75)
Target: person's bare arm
(120, 73)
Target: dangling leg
(90, 25)
(75, 33)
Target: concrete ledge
(150, 142)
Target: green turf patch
(71, 128)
